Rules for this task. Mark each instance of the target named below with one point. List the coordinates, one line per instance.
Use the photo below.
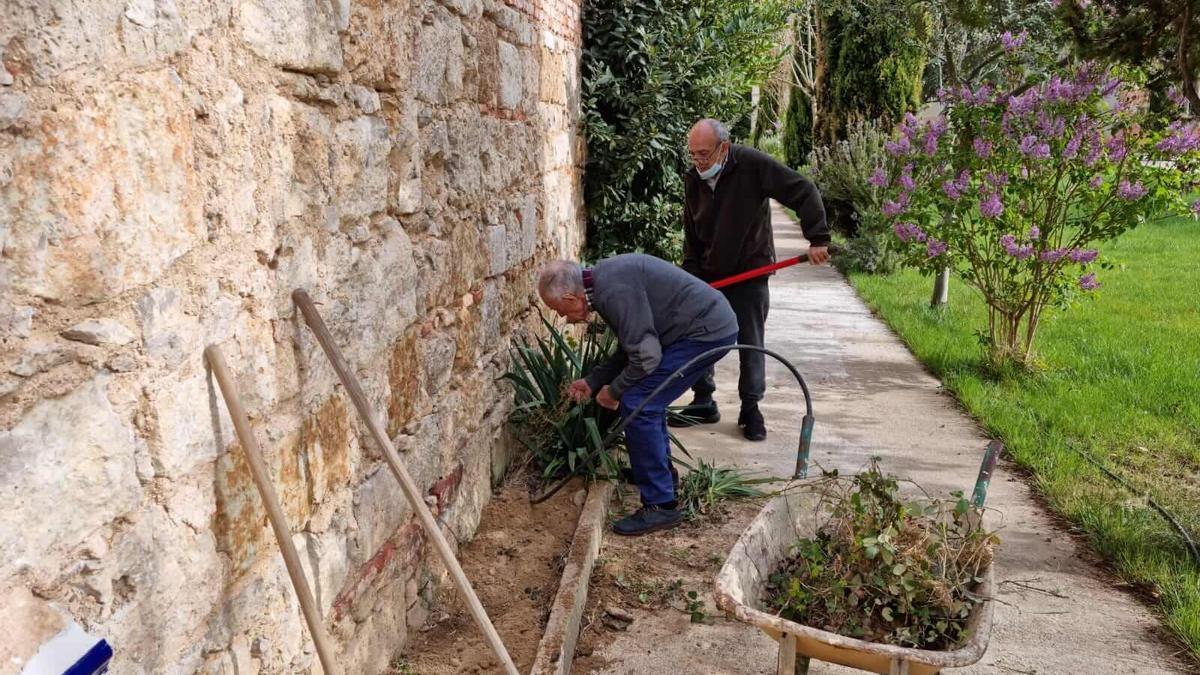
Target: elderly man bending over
(663, 317)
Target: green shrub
(797, 129)
(650, 70)
(768, 116)
(843, 172)
(875, 55)
(772, 145)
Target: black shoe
(752, 424)
(696, 412)
(646, 520)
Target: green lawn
(1120, 379)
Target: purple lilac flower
(905, 178)
(1013, 42)
(1116, 147)
(1009, 243)
(934, 248)
(879, 178)
(908, 126)
(1083, 256)
(1088, 282)
(1030, 147)
(996, 180)
(1025, 103)
(1176, 96)
(991, 206)
(931, 143)
(1051, 127)
(1096, 182)
(983, 148)
(898, 148)
(892, 209)
(1133, 192)
(1094, 149)
(1054, 255)
(1034, 232)
(955, 188)
(1072, 147)
(981, 96)
(1180, 138)
(908, 232)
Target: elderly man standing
(727, 230)
(663, 317)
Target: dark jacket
(650, 304)
(728, 230)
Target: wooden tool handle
(314, 321)
(283, 534)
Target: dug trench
(514, 562)
(660, 582)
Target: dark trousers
(750, 301)
(646, 435)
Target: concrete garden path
(873, 398)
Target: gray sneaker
(646, 520)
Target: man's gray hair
(717, 127)
(559, 278)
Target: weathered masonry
(169, 171)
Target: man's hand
(605, 399)
(818, 255)
(579, 391)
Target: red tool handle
(758, 271)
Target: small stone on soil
(618, 613)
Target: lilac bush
(1015, 185)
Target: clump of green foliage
(706, 486)
(558, 432)
(884, 569)
(797, 129)
(843, 172)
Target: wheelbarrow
(768, 541)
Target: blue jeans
(646, 435)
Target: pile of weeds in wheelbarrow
(885, 569)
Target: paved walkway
(873, 398)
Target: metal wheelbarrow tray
(761, 549)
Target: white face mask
(711, 171)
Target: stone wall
(169, 171)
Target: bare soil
(655, 573)
(514, 563)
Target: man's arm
(798, 193)
(692, 249)
(607, 371)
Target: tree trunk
(941, 289)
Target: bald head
(708, 141)
(560, 285)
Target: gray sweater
(650, 304)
